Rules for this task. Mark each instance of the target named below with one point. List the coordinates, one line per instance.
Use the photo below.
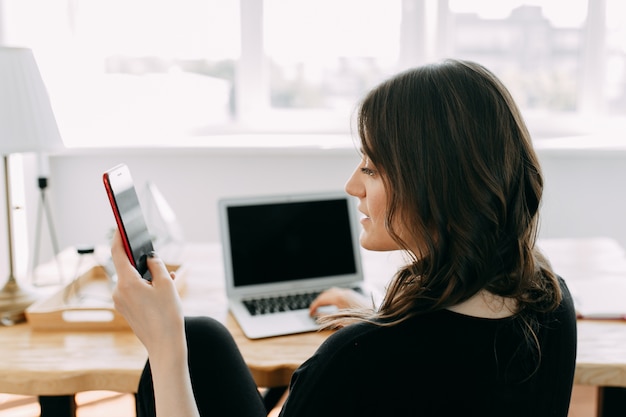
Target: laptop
(281, 251)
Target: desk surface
(65, 362)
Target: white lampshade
(27, 123)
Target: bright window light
(194, 72)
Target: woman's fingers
(339, 298)
(118, 254)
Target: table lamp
(27, 124)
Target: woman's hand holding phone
(154, 312)
(152, 308)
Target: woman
(476, 323)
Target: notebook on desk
(281, 251)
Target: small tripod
(42, 182)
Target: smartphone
(129, 217)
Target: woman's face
(367, 185)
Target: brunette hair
(464, 183)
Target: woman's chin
(377, 246)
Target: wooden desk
(63, 363)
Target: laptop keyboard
(268, 305)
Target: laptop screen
(286, 241)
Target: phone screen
(129, 217)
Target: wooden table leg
(57, 405)
(611, 402)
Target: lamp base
(14, 300)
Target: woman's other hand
(340, 298)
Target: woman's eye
(368, 171)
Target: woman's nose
(353, 186)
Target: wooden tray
(85, 304)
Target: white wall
(191, 180)
(585, 193)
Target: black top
(441, 364)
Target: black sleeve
(561, 352)
(330, 383)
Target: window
(137, 71)
(323, 55)
(614, 91)
(562, 60)
(168, 71)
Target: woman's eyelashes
(368, 171)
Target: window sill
(233, 143)
(598, 145)
(557, 134)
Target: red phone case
(118, 218)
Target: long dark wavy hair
(465, 185)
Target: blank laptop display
(281, 251)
